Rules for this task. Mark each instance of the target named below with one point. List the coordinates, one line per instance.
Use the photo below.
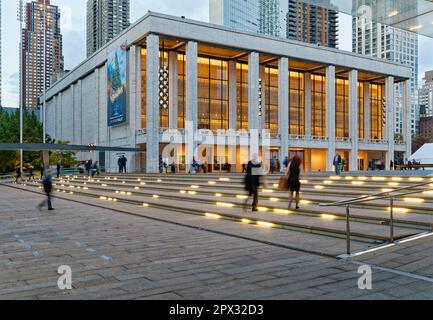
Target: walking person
(19, 175)
(286, 163)
(337, 164)
(95, 169)
(31, 174)
(119, 163)
(47, 184)
(294, 184)
(42, 171)
(252, 181)
(59, 167)
(88, 167)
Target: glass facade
(376, 100)
(213, 97)
(181, 91)
(341, 108)
(271, 100)
(297, 103)
(143, 87)
(242, 96)
(318, 105)
(163, 113)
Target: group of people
(122, 164)
(196, 167)
(92, 168)
(290, 182)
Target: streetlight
(20, 17)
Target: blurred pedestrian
(294, 184)
(59, 167)
(252, 181)
(47, 184)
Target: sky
(73, 26)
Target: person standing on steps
(294, 184)
(47, 184)
(337, 164)
(59, 167)
(252, 181)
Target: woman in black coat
(294, 171)
(252, 181)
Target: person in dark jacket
(294, 171)
(31, 174)
(252, 181)
(59, 167)
(47, 184)
(19, 175)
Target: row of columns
(255, 123)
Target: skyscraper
(312, 23)
(386, 42)
(32, 74)
(270, 19)
(294, 19)
(0, 53)
(105, 20)
(426, 95)
(237, 14)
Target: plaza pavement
(166, 255)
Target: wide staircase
(223, 197)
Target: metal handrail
(376, 196)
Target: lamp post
(20, 13)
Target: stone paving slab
(172, 262)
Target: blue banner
(116, 87)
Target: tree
(66, 158)
(10, 133)
(418, 141)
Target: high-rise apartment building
(312, 23)
(425, 95)
(387, 42)
(270, 22)
(105, 20)
(34, 53)
(0, 53)
(294, 19)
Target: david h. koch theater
(167, 79)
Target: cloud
(10, 92)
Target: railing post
(348, 228)
(391, 210)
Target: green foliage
(10, 133)
(66, 158)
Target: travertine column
(390, 119)
(330, 115)
(353, 119)
(152, 105)
(407, 132)
(253, 102)
(283, 107)
(191, 101)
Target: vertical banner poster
(116, 87)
